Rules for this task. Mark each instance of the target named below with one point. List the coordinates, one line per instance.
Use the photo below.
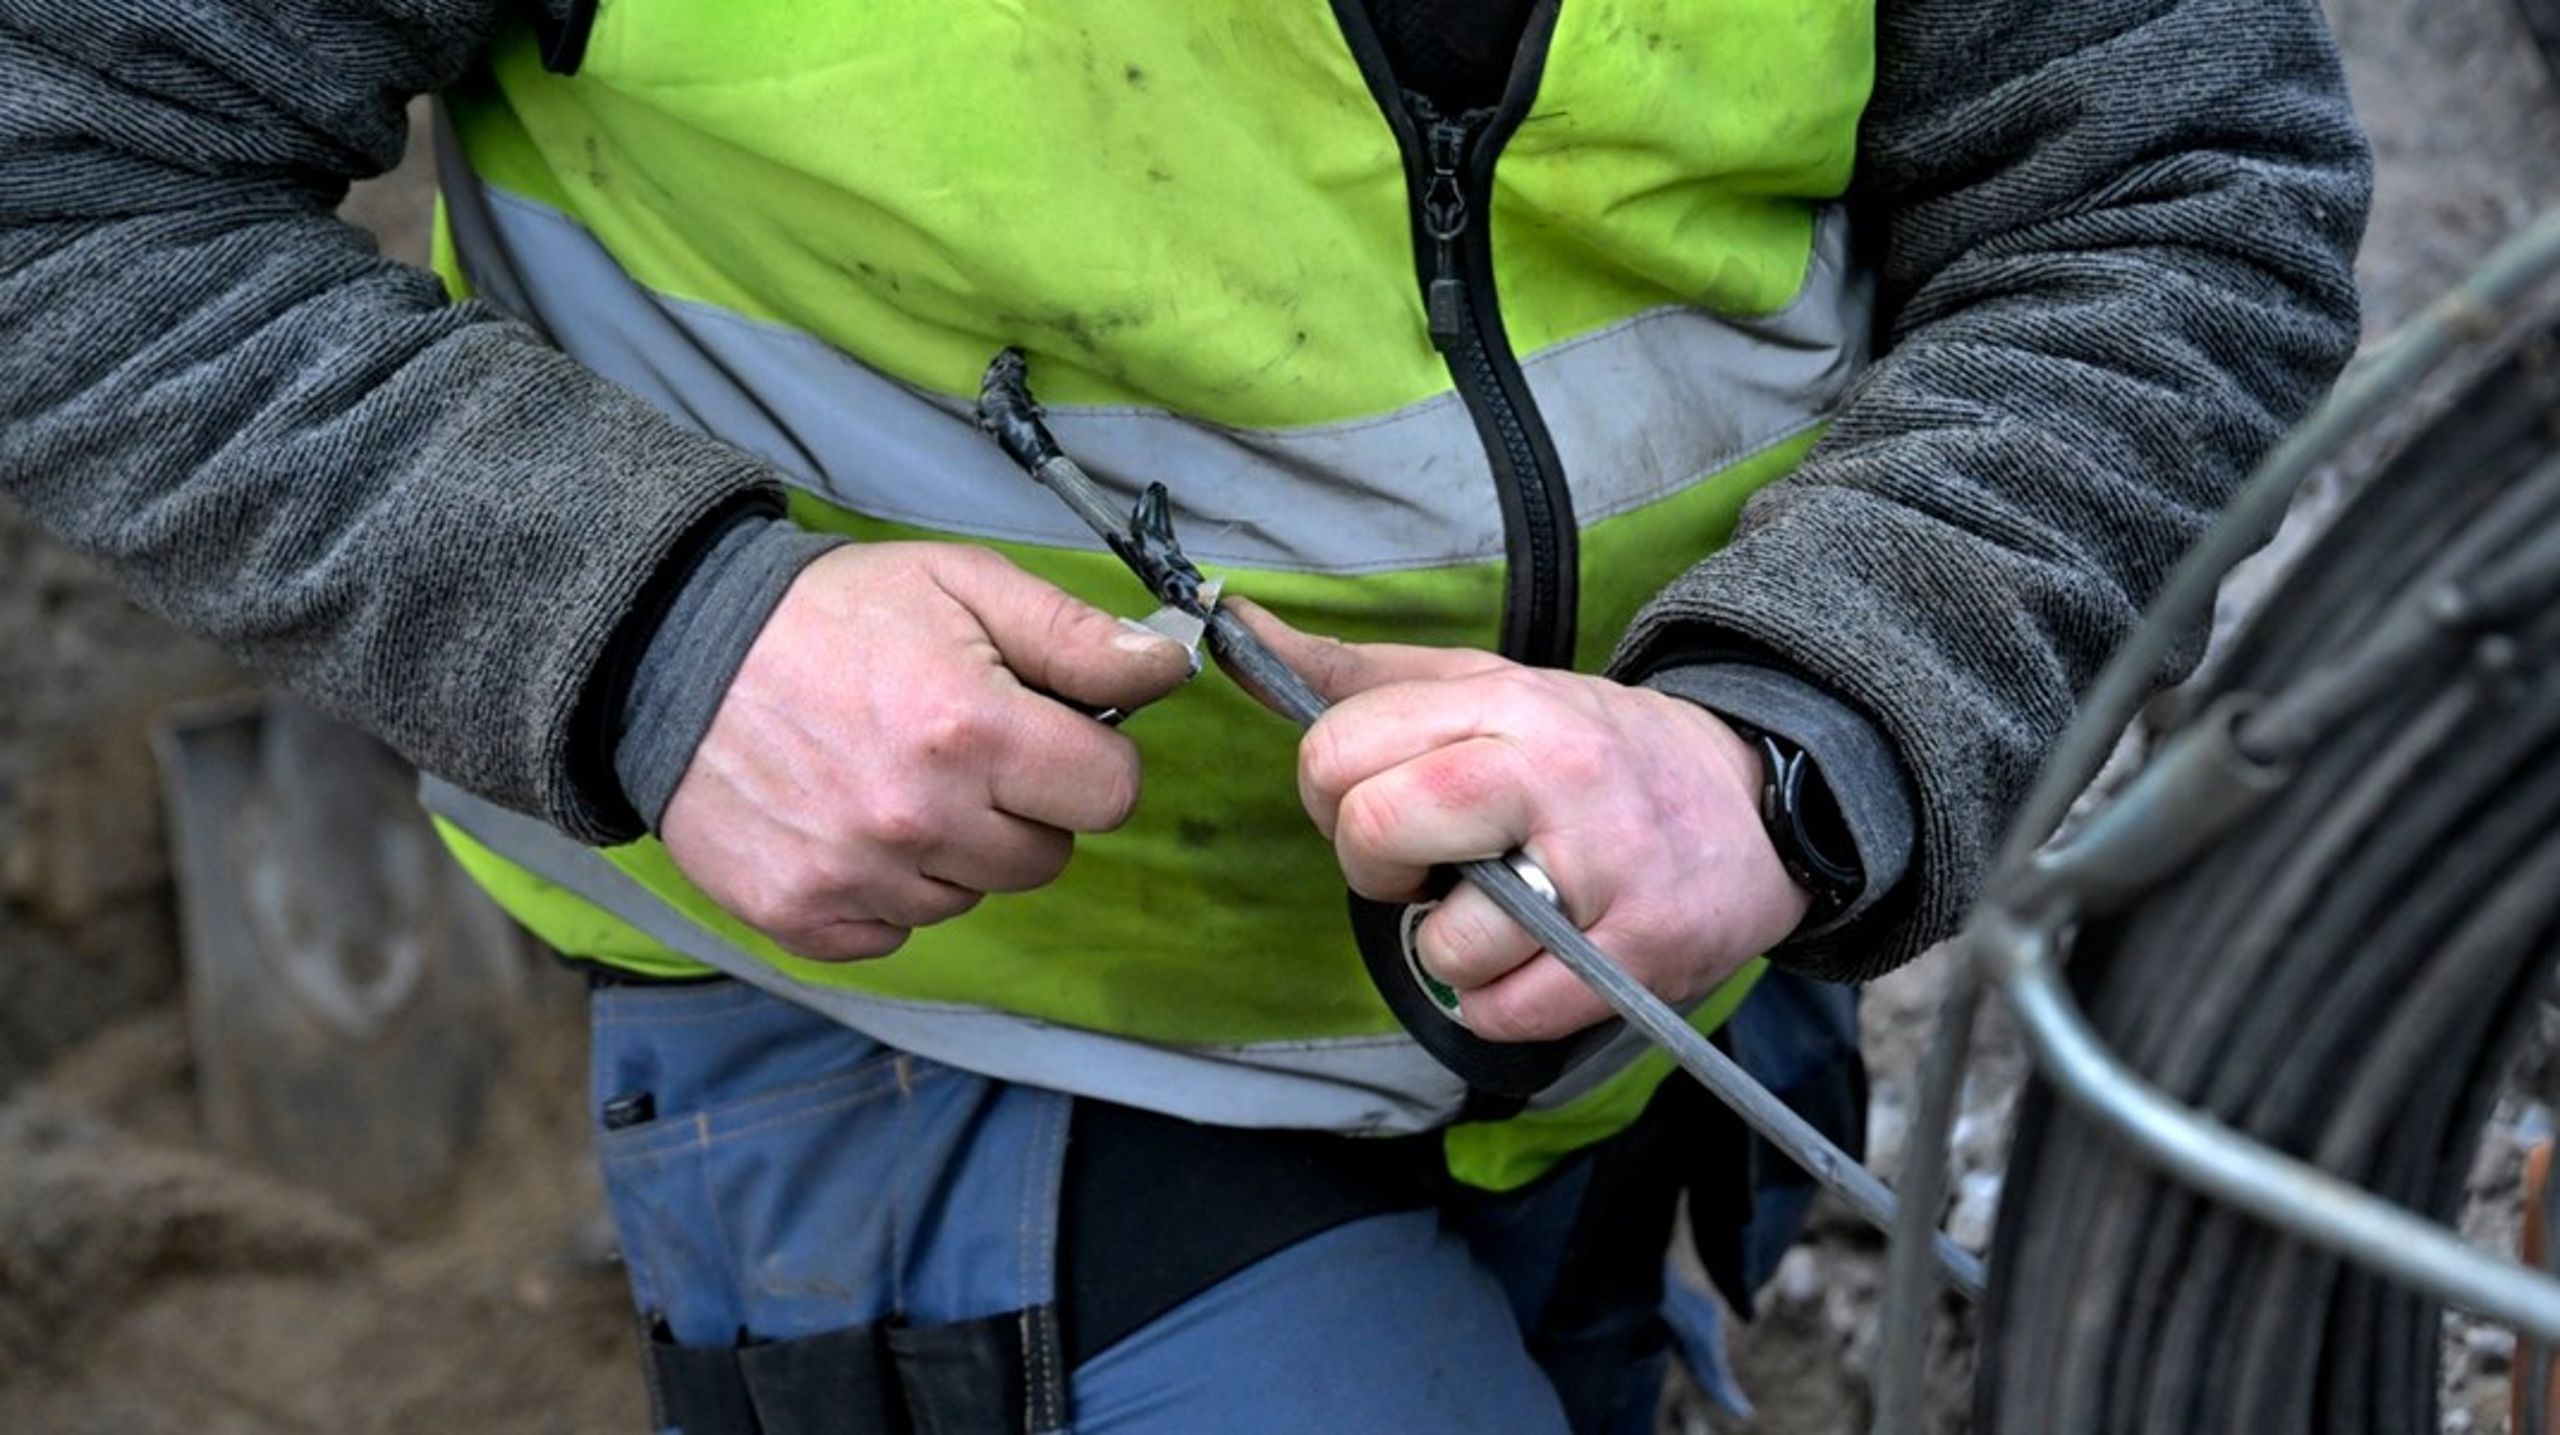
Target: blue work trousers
(810, 1210)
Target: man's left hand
(1643, 808)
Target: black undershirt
(1157, 1209)
(1457, 53)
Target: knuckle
(1061, 620)
(1495, 1020)
(1367, 824)
(1518, 687)
(874, 939)
(968, 558)
(902, 827)
(901, 819)
(1052, 863)
(1458, 942)
(762, 911)
(951, 730)
(1322, 763)
(1036, 867)
(1656, 923)
(1330, 660)
(1380, 884)
(839, 941)
(945, 905)
(1573, 763)
(780, 899)
(838, 876)
(813, 944)
(1119, 784)
(1466, 778)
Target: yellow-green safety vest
(1485, 379)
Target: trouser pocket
(815, 1223)
(967, 1377)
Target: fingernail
(1137, 637)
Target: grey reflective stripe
(1363, 1085)
(466, 211)
(1638, 410)
(1368, 1085)
(1645, 407)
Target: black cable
(2345, 975)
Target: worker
(1705, 445)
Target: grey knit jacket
(2114, 239)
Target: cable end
(1008, 414)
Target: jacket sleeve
(415, 514)
(2114, 244)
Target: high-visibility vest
(1490, 379)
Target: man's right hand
(886, 755)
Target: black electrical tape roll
(1515, 1070)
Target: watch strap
(1804, 826)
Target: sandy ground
(149, 1284)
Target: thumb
(1338, 669)
(1060, 644)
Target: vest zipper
(1444, 219)
(1449, 179)
(1465, 317)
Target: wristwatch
(1803, 820)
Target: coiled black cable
(2344, 975)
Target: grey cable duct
(2343, 975)
(2475, 310)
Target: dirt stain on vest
(1086, 329)
(876, 277)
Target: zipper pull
(1444, 218)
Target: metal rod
(1901, 1383)
(2537, 1353)
(1763, 1112)
(2296, 1197)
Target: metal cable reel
(2303, 943)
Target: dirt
(2466, 135)
(87, 932)
(149, 1284)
